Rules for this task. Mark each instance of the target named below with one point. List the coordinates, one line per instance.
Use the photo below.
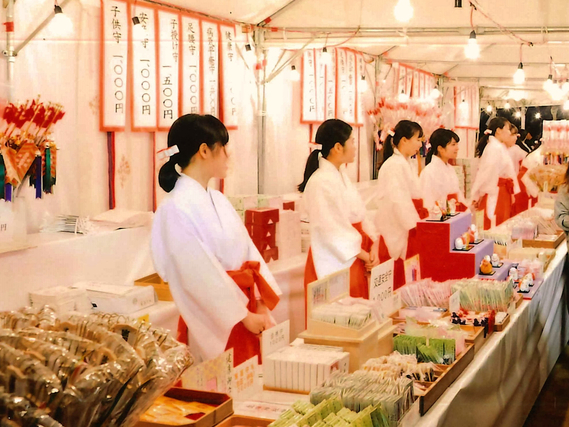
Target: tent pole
(261, 108)
(9, 52)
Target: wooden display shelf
(434, 390)
(285, 390)
(476, 336)
(162, 289)
(499, 327)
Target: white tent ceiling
(433, 40)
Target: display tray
(499, 327)
(242, 421)
(285, 390)
(465, 249)
(539, 243)
(476, 336)
(222, 402)
(532, 290)
(434, 390)
(477, 242)
(487, 274)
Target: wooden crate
(476, 336)
(162, 289)
(450, 373)
(242, 421)
(550, 244)
(222, 402)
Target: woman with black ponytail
(496, 180)
(340, 235)
(399, 198)
(202, 249)
(439, 182)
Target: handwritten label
(275, 338)
(454, 302)
(381, 287)
(245, 381)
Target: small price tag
(275, 338)
(454, 302)
(381, 288)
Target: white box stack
(289, 234)
(62, 299)
(470, 169)
(242, 203)
(302, 368)
(118, 299)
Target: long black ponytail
(188, 133)
(403, 129)
(495, 124)
(329, 133)
(440, 138)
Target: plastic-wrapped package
(97, 370)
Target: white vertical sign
(114, 65)
(422, 91)
(351, 64)
(191, 66)
(309, 110)
(321, 67)
(228, 73)
(409, 82)
(210, 60)
(342, 85)
(143, 83)
(416, 94)
(168, 68)
(381, 286)
(360, 85)
(401, 80)
(331, 87)
(275, 338)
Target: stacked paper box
(266, 201)
(470, 169)
(459, 170)
(305, 236)
(288, 234)
(62, 299)
(303, 367)
(242, 203)
(118, 299)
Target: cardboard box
(62, 299)
(288, 206)
(160, 287)
(118, 298)
(261, 230)
(270, 254)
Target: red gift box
(288, 206)
(261, 216)
(264, 243)
(270, 254)
(261, 230)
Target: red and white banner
(228, 85)
(330, 110)
(321, 67)
(210, 69)
(309, 108)
(114, 65)
(190, 75)
(143, 83)
(168, 30)
(361, 83)
(344, 110)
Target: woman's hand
(370, 259)
(264, 310)
(255, 323)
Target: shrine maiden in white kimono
(532, 160)
(333, 204)
(517, 154)
(397, 187)
(339, 229)
(197, 236)
(439, 181)
(495, 171)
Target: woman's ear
(339, 147)
(204, 151)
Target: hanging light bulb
(325, 56)
(566, 105)
(403, 97)
(489, 109)
(294, 74)
(556, 92)
(435, 93)
(548, 83)
(538, 115)
(507, 106)
(62, 23)
(472, 50)
(518, 114)
(403, 11)
(362, 87)
(520, 75)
